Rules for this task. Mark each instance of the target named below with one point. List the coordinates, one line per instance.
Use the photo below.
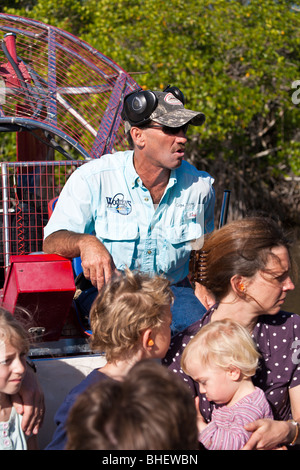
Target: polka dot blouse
(278, 340)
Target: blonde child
(130, 321)
(222, 358)
(14, 345)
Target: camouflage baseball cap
(171, 112)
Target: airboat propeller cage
(56, 93)
(54, 82)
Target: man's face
(165, 147)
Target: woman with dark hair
(247, 270)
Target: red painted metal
(44, 286)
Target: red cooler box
(44, 286)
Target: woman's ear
(238, 285)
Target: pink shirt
(226, 428)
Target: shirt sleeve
(73, 210)
(219, 438)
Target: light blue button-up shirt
(107, 197)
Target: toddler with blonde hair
(222, 358)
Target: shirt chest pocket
(176, 245)
(183, 233)
(116, 227)
(119, 234)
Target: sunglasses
(171, 130)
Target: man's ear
(137, 136)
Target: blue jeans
(186, 308)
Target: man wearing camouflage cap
(144, 208)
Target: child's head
(221, 354)
(151, 409)
(14, 345)
(126, 308)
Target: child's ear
(147, 341)
(234, 373)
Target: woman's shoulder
(282, 328)
(282, 318)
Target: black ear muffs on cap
(176, 92)
(138, 107)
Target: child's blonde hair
(124, 309)
(13, 332)
(224, 344)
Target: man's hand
(29, 402)
(97, 263)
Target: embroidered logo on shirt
(118, 204)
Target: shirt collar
(173, 178)
(132, 177)
(135, 179)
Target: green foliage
(236, 63)
(234, 60)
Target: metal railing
(25, 193)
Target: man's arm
(64, 243)
(97, 263)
